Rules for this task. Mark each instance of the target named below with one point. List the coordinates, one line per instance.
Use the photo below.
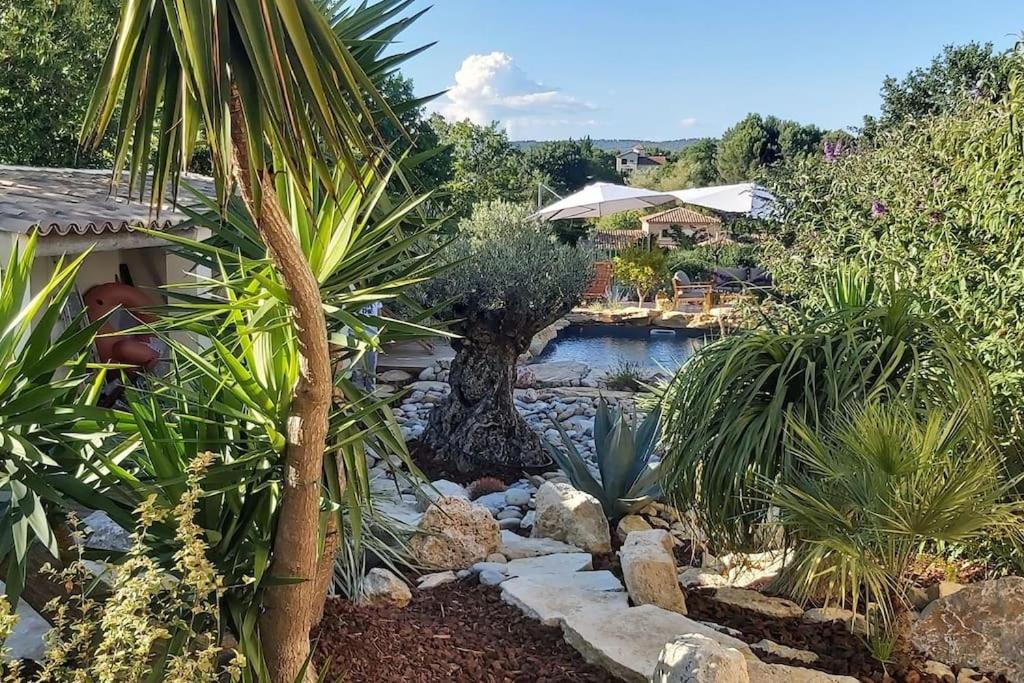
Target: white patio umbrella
(747, 199)
(602, 199)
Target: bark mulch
(839, 651)
(458, 632)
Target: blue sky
(662, 69)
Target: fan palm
(877, 484)
(274, 88)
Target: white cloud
(688, 122)
(492, 87)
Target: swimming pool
(604, 346)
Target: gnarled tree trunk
(289, 608)
(477, 427)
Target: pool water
(603, 347)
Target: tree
(508, 279)
(960, 71)
(415, 135)
(695, 166)
(756, 143)
(569, 165)
(640, 267)
(50, 53)
(486, 167)
(623, 220)
(180, 67)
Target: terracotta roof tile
(681, 216)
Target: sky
(666, 69)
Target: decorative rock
(510, 513)
(515, 547)
(747, 569)
(509, 524)
(651, 537)
(394, 376)
(779, 608)
(695, 577)
(454, 534)
(428, 581)
(381, 588)
(567, 514)
(650, 574)
(497, 558)
(441, 488)
(492, 578)
(488, 566)
(695, 658)
(939, 670)
(628, 642)
(772, 648)
(528, 519)
(631, 523)
(106, 534)
(551, 598)
(821, 615)
(495, 502)
(918, 597)
(517, 497)
(943, 589)
(978, 627)
(430, 387)
(562, 563)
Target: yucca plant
(274, 88)
(877, 484)
(727, 407)
(629, 480)
(48, 418)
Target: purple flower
(833, 150)
(878, 209)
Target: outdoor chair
(686, 292)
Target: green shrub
(726, 409)
(936, 205)
(625, 376)
(699, 263)
(875, 485)
(628, 480)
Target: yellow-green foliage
(153, 621)
(640, 268)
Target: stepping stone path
(557, 588)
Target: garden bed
(458, 632)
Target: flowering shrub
(153, 621)
(934, 205)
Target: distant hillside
(622, 145)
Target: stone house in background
(637, 159)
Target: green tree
(694, 166)
(569, 165)
(415, 135)
(276, 90)
(957, 72)
(50, 53)
(641, 268)
(508, 279)
(623, 220)
(758, 142)
(486, 167)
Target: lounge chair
(687, 292)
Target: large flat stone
(627, 642)
(558, 373)
(562, 563)
(778, 608)
(516, 547)
(552, 601)
(26, 640)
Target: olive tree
(509, 278)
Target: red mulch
(840, 651)
(458, 632)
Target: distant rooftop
(680, 215)
(66, 201)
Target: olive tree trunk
(477, 427)
(290, 607)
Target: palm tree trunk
(289, 607)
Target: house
(665, 225)
(637, 159)
(73, 211)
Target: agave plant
(876, 485)
(629, 480)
